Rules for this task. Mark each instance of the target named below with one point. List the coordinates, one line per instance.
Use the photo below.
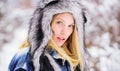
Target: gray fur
(47, 13)
(53, 63)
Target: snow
(16, 27)
(9, 50)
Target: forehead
(64, 16)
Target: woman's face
(62, 27)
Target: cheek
(68, 33)
(55, 31)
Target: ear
(43, 3)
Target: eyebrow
(64, 21)
(60, 19)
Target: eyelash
(70, 26)
(59, 22)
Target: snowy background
(102, 33)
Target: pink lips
(60, 39)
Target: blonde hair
(70, 50)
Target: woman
(55, 40)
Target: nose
(63, 31)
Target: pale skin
(62, 27)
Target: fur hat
(40, 30)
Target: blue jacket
(22, 61)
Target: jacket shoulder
(19, 61)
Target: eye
(71, 26)
(59, 22)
